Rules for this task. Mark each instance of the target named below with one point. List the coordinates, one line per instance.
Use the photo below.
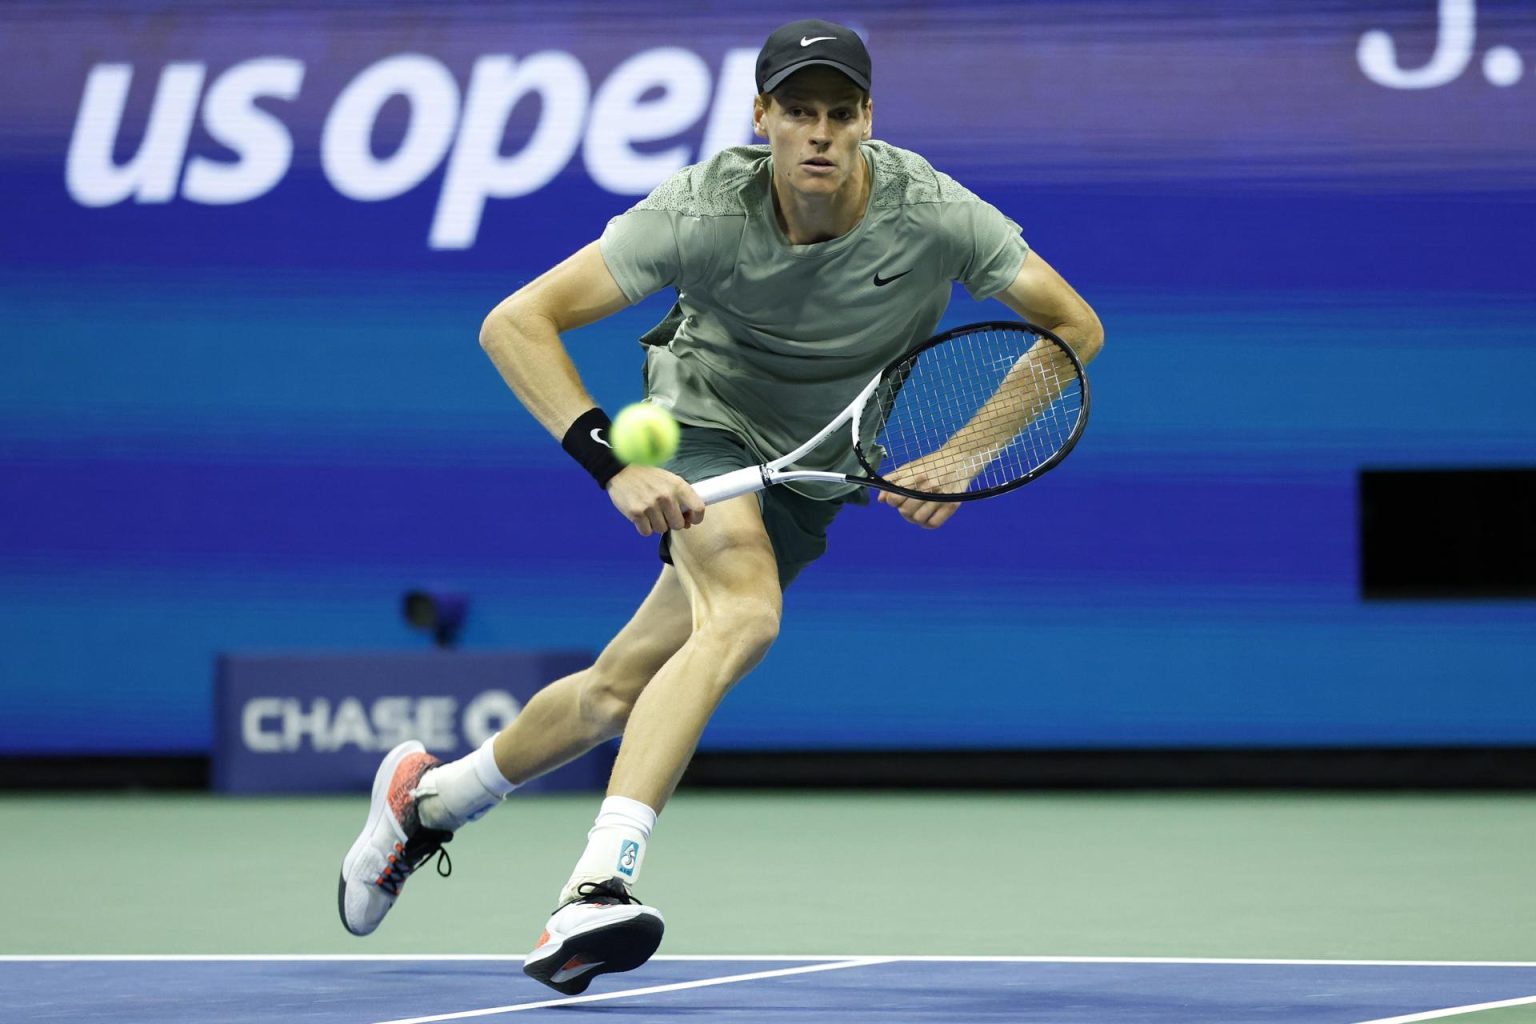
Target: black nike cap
(800, 44)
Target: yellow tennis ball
(643, 435)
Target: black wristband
(587, 442)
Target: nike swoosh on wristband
(597, 435)
(881, 282)
(814, 39)
(566, 974)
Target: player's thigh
(728, 567)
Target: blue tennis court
(782, 990)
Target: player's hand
(655, 500)
(936, 472)
(928, 514)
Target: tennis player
(801, 268)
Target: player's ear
(869, 117)
(759, 108)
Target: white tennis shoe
(393, 843)
(603, 931)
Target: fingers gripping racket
(970, 413)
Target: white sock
(615, 845)
(456, 793)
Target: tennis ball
(643, 435)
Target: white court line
(1453, 1011)
(177, 958)
(650, 990)
(1242, 962)
(727, 958)
(183, 958)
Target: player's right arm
(522, 337)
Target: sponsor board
(229, 122)
(291, 723)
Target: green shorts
(797, 525)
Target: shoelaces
(412, 855)
(610, 890)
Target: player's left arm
(1042, 297)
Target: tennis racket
(968, 414)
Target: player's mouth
(819, 165)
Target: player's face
(814, 123)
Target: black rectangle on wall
(1448, 533)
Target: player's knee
(606, 703)
(742, 632)
(624, 668)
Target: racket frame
(757, 478)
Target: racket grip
(730, 485)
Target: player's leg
(566, 718)
(732, 581)
(418, 802)
(728, 568)
(594, 705)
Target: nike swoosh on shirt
(881, 282)
(814, 39)
(567, 973)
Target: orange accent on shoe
(542, 940)
(573, 963)
(407, 775)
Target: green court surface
(1325, 876)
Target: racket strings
(978, 411)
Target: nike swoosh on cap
(814, 39)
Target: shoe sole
(621, 946)
(378, 806)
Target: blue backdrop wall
(246, 250)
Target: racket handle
(730, 485)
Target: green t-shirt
(770, 340)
